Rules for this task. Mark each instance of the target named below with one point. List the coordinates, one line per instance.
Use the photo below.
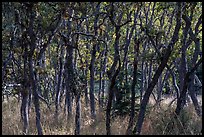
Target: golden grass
(158, 121)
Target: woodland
(101, 68)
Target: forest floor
(158, 121)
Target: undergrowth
(158, 121)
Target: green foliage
(70, 25)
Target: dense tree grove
(111, 56)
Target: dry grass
(158, 121)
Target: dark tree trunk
(69, 79)
(148, 92)
(92, 98)
(24, 112)
(112, 77)
(113, 72)
(32, 79)
(134, 82)
(93, 58)
(69, 67)
(110, 98)
(193, 96)
(100, 84)
(137, 128)
(112, 81)
(181, 99)
(78, 115)
(36, 98)
(193, 36)
(25, 95)
(68, 102)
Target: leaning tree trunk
(137, 128)
(148, 92)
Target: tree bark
(59, 82)
(134, 82)
(193, 96)
(92, 98)
(93, 58)
(31, 70)
(110, 98)
(24, 112)
(181, 99)
(78, 115)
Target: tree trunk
(86, 85)
(110, 98)
(24, 112)
(93, 58)
(59, 82)
(100, 84)
(112, 80)
(142, 83)
(104, 77)
(148, 92)
(193, 96)
(134, 82)
(92, 98)
(137, 128)
(69, 67)
(78, 115)
(25, 95)
(36, 98)
(32, 80)
(181, 99)
(68, 101)
(113, 72)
